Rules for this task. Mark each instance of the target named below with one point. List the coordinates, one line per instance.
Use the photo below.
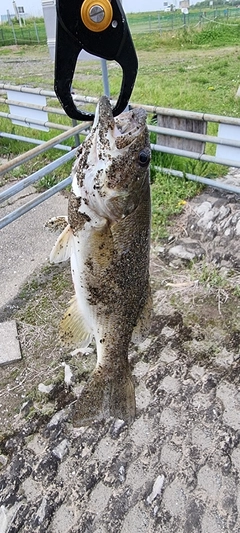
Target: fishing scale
(100, 28)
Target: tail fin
(103, 397)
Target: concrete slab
(25, 244)
(9, 343)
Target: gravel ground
(176, 468)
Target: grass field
(193, 70)
(33, 31)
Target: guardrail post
(76, 136)
(36, 31)
(14, 35)
(184, 21)
(149, 22)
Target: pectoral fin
(73, 328)
(143, 324)
(62, 249)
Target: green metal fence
(176, 20)
(31, 33)
(35, 33)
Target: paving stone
(230, 397)
(9, 345)
(174, 498)
(99, 498)
(63, 519)
(137, 521)
(170, 384)
(170, 455)
(169, 418)
(210, 481)
(236, 458)
(211, 525)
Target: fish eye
(143, 158)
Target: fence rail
(191, 150)
(35, 32)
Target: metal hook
(100, 28)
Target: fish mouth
(104, 119)
(128, 125)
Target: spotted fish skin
(108, 239)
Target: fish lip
(127, 125)
(104, 119)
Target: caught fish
(107, 239)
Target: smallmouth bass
(107, 239)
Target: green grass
(169, 195)
(33, 31)
(193, 70)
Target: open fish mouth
(123, 129)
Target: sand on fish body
(107, 240)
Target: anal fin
(73, 328)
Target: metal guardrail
(25, 182)
(159, 130)
(34, 203)
(30, 154)
(30, 140)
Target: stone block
(9, 343)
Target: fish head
(112, 170)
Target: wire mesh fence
(176, 20)
(34, 32)
(31, 33)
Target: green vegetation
(169, 195)
(33, 31)
(192, 69)
(209, 36)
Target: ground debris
(176, 468)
